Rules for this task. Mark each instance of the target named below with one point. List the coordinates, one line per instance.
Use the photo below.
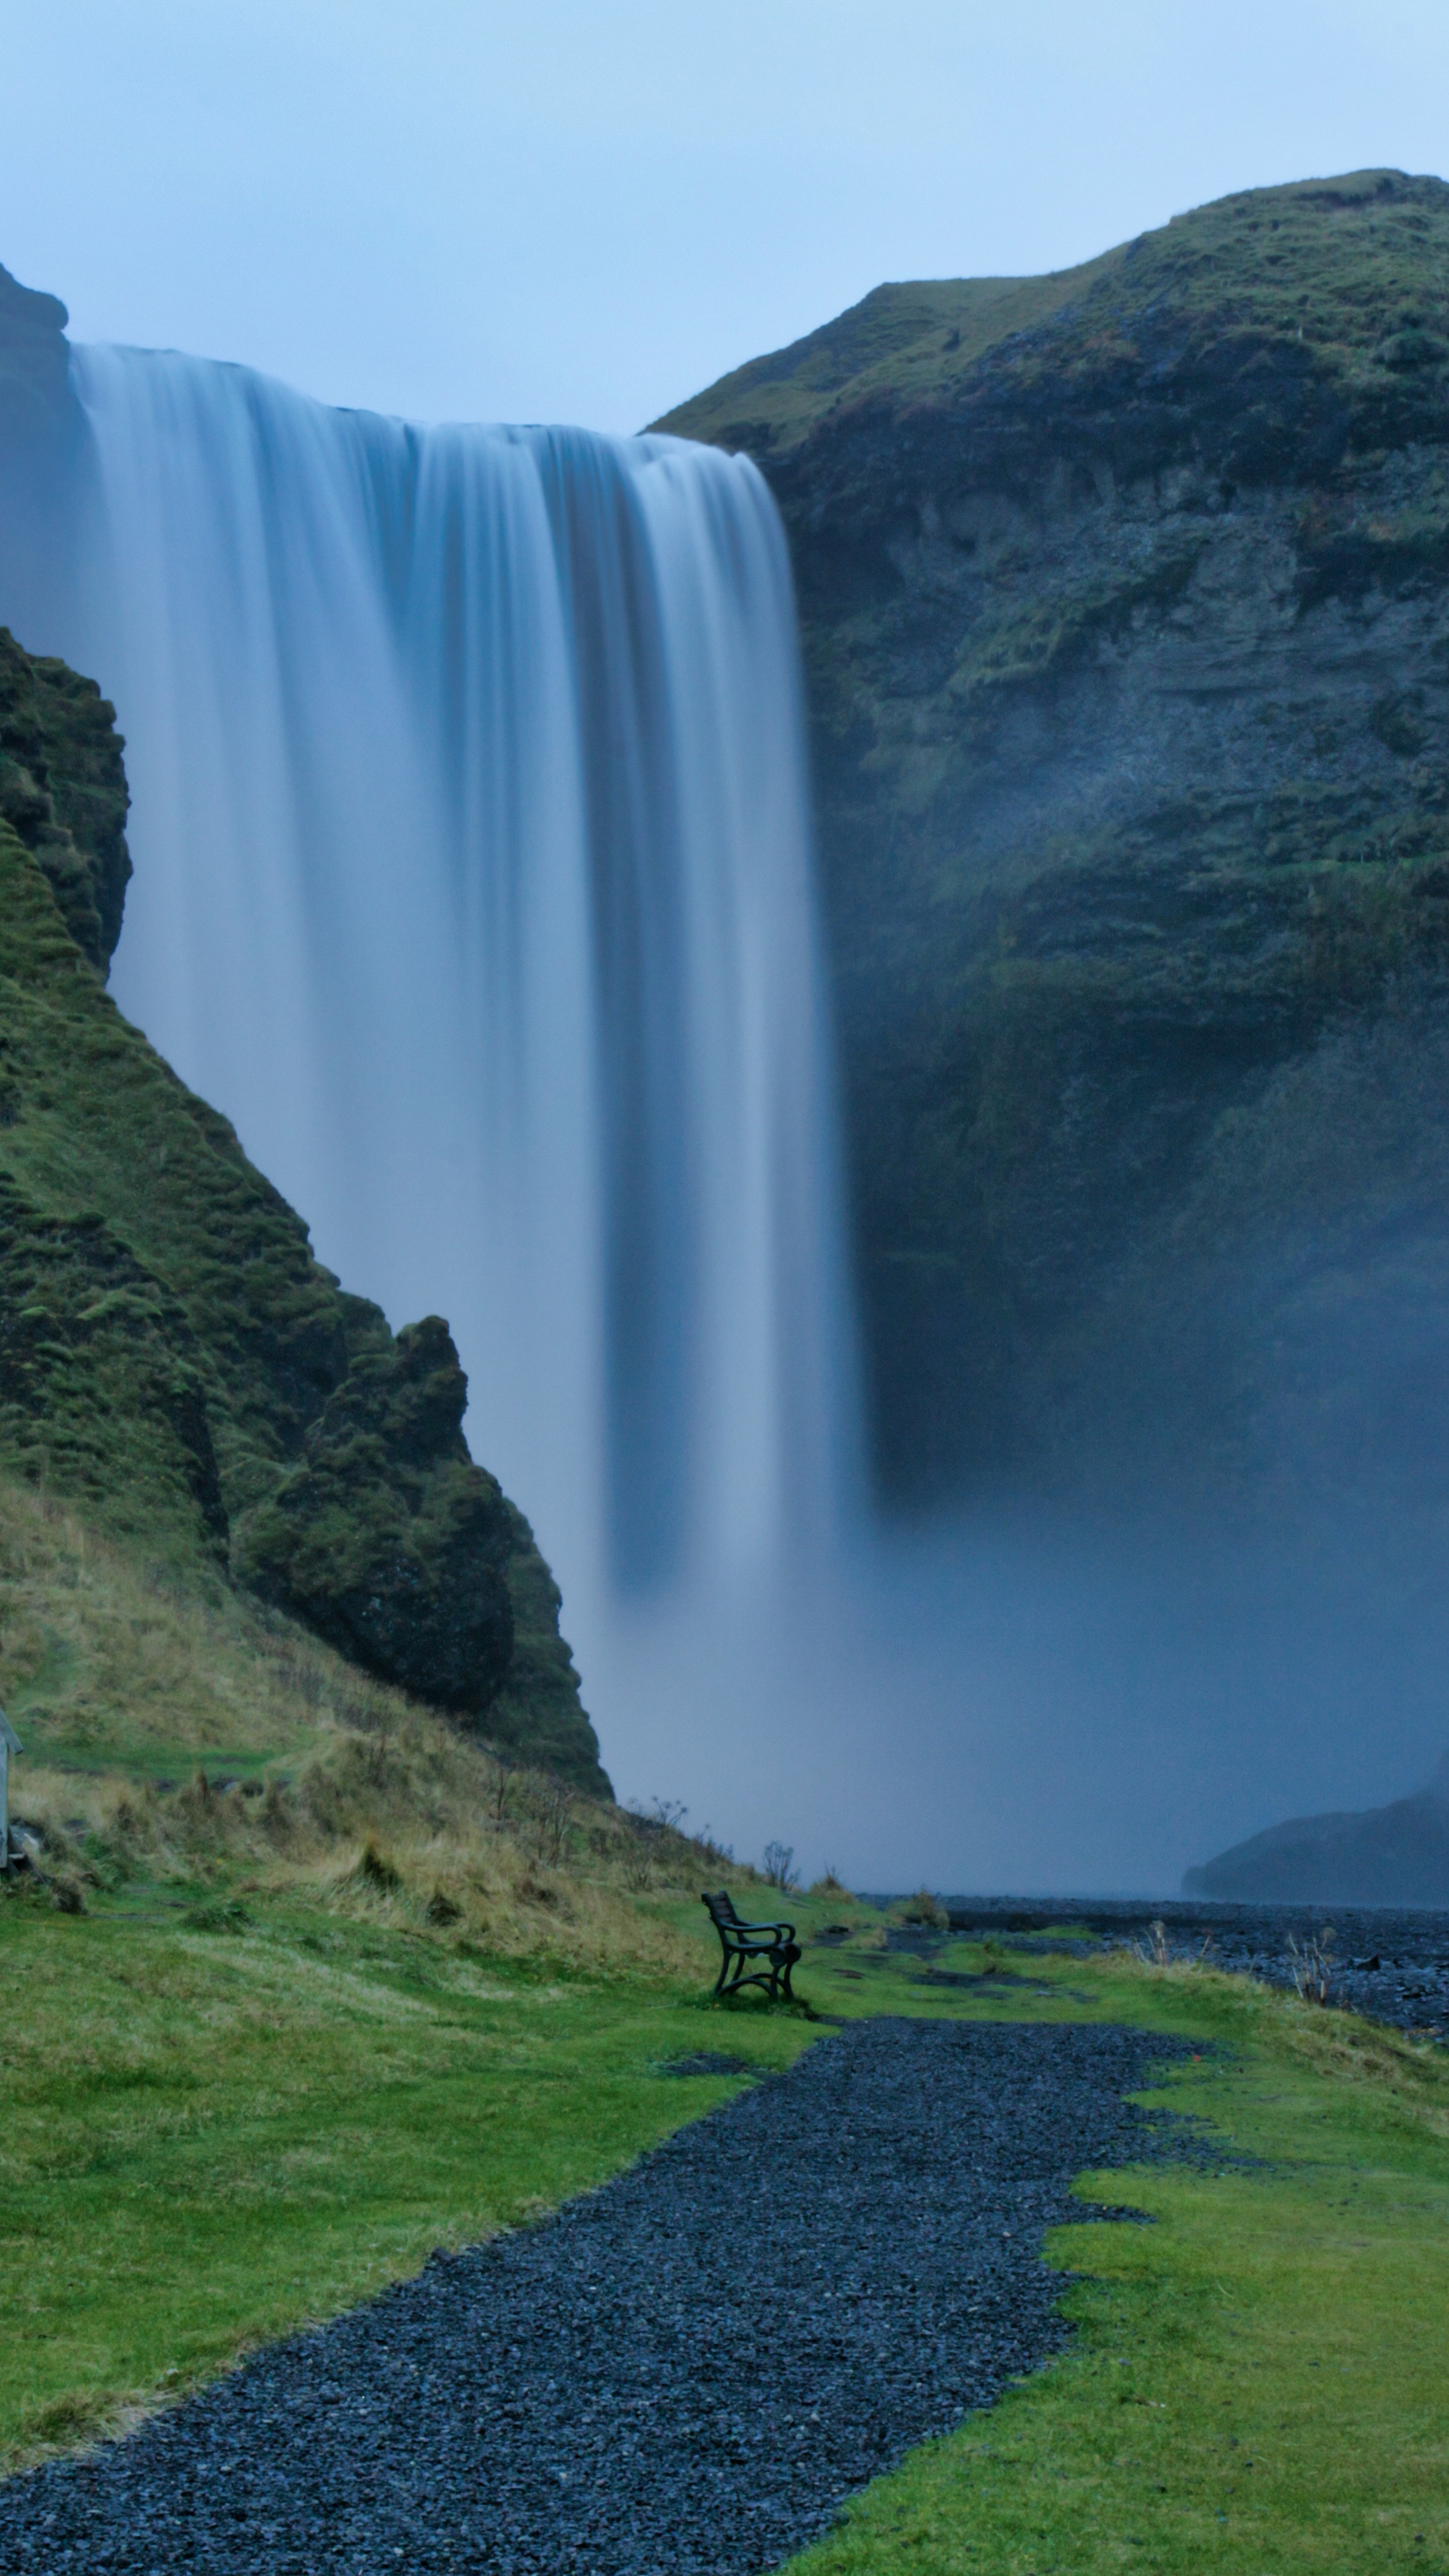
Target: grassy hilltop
(1126, 610)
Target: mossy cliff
(172, 1356)
(1126, 609)
(63, 791)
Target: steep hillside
(1126, 610)
(171, 1354)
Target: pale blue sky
(550, 210)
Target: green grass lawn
(213, 2136)
(210, 2137)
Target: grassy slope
(915, 339)
(342, 1985)
(166, 1336)
(178, 1735)
(113, 1670)
(1262, 262)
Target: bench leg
(732, 1974)
(769, 1971)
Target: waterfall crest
(473, 882)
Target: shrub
(927, 1911)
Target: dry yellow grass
(178, 1732)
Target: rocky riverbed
(1390, 1962)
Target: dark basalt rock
(387, 1539)
(46, 452)
(34, 360)
(63, 791)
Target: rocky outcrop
(34, 367)
(385, 1537)
(1126, 609)
(45, 451)
(171, 1354)
(63, 791)
(1394, 1855)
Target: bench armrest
(787, 1928)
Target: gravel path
(683, 2373)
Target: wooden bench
(779, 1953)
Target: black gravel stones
(1389, 1962)
(682, 2374)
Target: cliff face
(1126, 609)
(34, 384)
(171, 1354)
(63, 791)
(45, 449)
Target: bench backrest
(721, 1910)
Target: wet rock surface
(1389, 1962)
(685, 2372)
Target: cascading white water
(473, 882)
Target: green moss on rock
(101, 1394)
(386, 1538)
(63, 791)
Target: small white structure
(9, 1743)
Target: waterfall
(473, 883)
